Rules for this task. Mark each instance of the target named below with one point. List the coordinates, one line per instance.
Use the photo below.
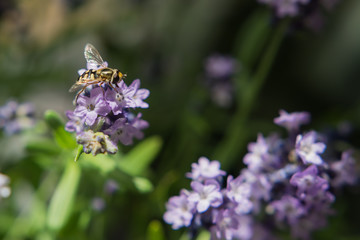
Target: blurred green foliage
(165, 44)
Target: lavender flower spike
(307, 149)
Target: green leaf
(155, 231)
(203, 235)
(143, 184)
(42, 146)
(139, 158)
(103, 162)
(62, 201)
(63, 138)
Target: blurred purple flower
(75, 123)
(179, 210)
(218, 66)
(239, 192)
(288, 208)
(205, 169)
(345, 170)
(229, 225)
(111, 186)
(308, 181)
(205, 195)
(15, 117)
(292, 121)
(307, 149)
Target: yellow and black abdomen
(89, 75)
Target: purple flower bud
(96, 142)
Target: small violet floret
(205, 169)
(308, 150)
(292, 121)
(206, 195)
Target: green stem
(236, 133)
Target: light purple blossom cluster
(219, 71)
(15, 117)
(102, 117)
(287, 184)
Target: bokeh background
(166, 44)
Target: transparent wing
(76, 87)
(81, 83)
(93, 57)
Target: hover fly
(101, 75)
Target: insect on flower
(101, 75)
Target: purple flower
(257, 152)
(120, 98)
(308, 181)
(205, 169)
(345, 170)
(229, 225)
(140, 94)
(218, 66)
(179, 211)
(15, 117)
(205, 195)
(90, 107)
(286, 8)
(239, 192)
(288, 208)
(98, 204)
(292, 121)
(111, 186)
(75, 123)
(122, 131)
(307, 149)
